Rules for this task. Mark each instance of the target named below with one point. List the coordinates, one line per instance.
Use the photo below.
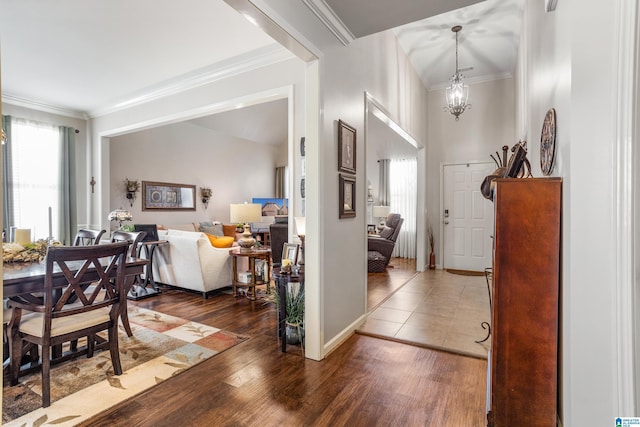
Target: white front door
(467, 217)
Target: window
(35, 183)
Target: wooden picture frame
(347, 196)
(290, 252)
(168, 197)
(346, 148)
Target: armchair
(381, 247)
(279, 235)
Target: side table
(281, 280)
(142, 289)
(252, 254)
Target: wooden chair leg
(114, 350)
(15, 351)
(91, 343)
(46, 380)
(125, 322)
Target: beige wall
(236, 170)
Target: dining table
(28, 278)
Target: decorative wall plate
(548, 142)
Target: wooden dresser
(523, 360)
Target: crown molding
(330, 20)
(249, 61)
(42, 106)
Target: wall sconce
(132, 188)
(205, 195)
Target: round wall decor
(548, 142)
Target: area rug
(162, 346)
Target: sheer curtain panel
(403, 176)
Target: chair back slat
(132, 237)
(86, 237)
(94, 268)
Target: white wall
(570, 63)
(374, 64)
(236, 170)
(480, 132)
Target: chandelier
(458, 93)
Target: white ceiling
(89, 56)
(85, 55)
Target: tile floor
(435, 309)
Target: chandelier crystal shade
(458, 93)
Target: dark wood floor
(364, 382)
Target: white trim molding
(255, 59)
(627, 90)
(42, 106)
(329, 19)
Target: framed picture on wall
(169, 197)
(347, 196)
(346, 148)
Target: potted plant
(294, 312)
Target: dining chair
(68, 272)
(133, 238)
(86, 237)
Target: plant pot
(432, 261)
(294, 333)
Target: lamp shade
(245, 212)
(120, 215)
(300, 225)
(381, 211)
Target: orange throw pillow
(229, 230)
(220, 241)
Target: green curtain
(68, 218)
(7, 180)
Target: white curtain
(39, 174)
(403, 185)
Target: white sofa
(190, 261)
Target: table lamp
(300, 229)
(381, 212)
(245, 213)
(120, 215)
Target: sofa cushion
(213, 229)
(386, 232)
(229, 230)
(220, 241)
